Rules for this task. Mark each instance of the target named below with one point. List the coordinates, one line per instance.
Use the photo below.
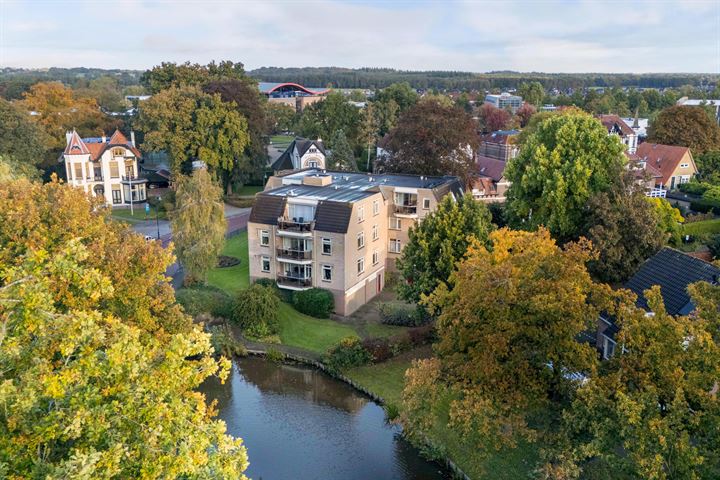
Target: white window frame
(361, 214)
(375, 257)
(426, 204)
(326, 242)
(375, 232)
(325, 268)
(684, 165)
(607, 343)
(361, 240)
(264, 259)
(264, 236)
(361, 265)
(376, 207)
(395, 220)
(393, 243)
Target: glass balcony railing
(295, 224)
(294, 254)
(295, 282)
(406, 209)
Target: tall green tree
(669, 220)
(191, 125)
(561, 164)
(282, 117)
(532, 92)
(686, 126)
(198, 224)
(402, 94)
(438, 243)
(324, 119)
(20, 137)
(169, 74)
(342, 157)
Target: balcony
(299, 255)
(294, 283)
(298, 225)
(132, 180)
(406, 209)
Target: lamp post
(157, 217)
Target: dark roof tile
(333, 216)
(267, 209)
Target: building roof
(284, 161)
(504, 137)
(490, 167)
(615, 124)
(267, 209)
(75, 145)
(333, 216)
(96, 146)
(664, 158)
(673, 271)
(269, 87)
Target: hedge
(402, 315)
(315, 302)
(204, 300)
(704, 206)
(349, 353)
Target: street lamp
(157, 217)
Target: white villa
(105, 167)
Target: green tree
(438, 242)
(324, 119)
(255, 310)
(669, 220)
(402, 94)
(653, 411)
(106, 92)
(686, 126)
(282, 117)
(561, 164)
(198, 224)
(168, 74)
(369, 129)
(86, 395)
(20, 137)
(342, 157)
(708, 165)
(191, 125)
(532, 92)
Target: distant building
(105, 167)
(639, 126)
(500, 145)
(504, 100)
(617, 126)
(301, 153)
(489, 183)
(710, 103)
(292, 94)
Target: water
(300, 424)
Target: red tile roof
(490, 167)
(76, 146)
(663, 158)
(614, 123)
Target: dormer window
(312, 150)
(118, 152)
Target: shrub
(714, 246)
(712, 194)
(255, 310)
(400, 343)
(205, 300)
(698, 217)
(694, 187)
(225, 343)
(346, 354)
(315, 302)
(704, 205)
(275, 355)
(400, 314)
(378, 348)
(285, 295)
(421, 335)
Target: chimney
(104, 138)
(132, 138)
(68, 136)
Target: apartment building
(504, 100)
(337, 230)
(105, 167)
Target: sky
(479, 36)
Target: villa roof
(664, 158)
(615, 124)
(96, 146)
(284, 161)
(490, 167)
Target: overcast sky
(479, 36)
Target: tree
(20, 137)
(168, 74)
(369, 129)
(342, 157)
(708, 165)
(106, 92)
(623, 228)
(192, 125)
(566, 160)
(686, 126)
(198, 224)
(653, 411)
(432, 139)
(36, 217)
(255, 310)
(532, 92)
(509, 328)
(525, 113)
(493, 119)
(669, 220)
(437, 243)
(282, 117)
(86, 395)
(324, 119)
(402, 94)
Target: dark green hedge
(204, 300)
(315, 302)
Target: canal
(300, 424)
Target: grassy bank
(138, 215)
(702, 228)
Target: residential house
(105, 167)
(639, 126)
(337, 230)
(489, 183)
(675, 164)
(501, 145)
(504, 100)
(673, 271)
(301, 153)
(617, 126)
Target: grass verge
(702, 227)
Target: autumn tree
(509, 328)
(669, 220)
(35, 217)
(369, 129)
(493, 118)
(20, 138)
(525, 113)
(432, 139)
(341, 156)
(438, 243)
(532, 92)
(198, 224)
(567, 159)
(169, 74)
(685, 126)
(86, 394)
(653, 412)
(191, 125)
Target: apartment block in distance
(337, 230)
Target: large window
(360, 265)
(375, 232)
(116, 195)
(361, 240)
(327, 273)
(301, 213)
(265, 264)
(114, 170)
(326, 246)
(375, 257)
(608, 347)
(395, 246)
(395, 223)
(264, 238)
(78, 171)
(361, 214)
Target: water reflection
(298, 423)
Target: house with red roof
(105, 167)
(617, 126)
(671, 165)
(489, 183)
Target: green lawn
(703, 227)
(386, 379)
(248, 190)
(281, 139)
(233, 279)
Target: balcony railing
(297, 282)
(406, 209)
(295, 224)
(98, 178)
(656, 193)
(294, 254)
(133, 179)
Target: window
(608, 347)
(426, 204)
(114, 170)
(395, 246)
(376, 257)
(375, 234)
(326, 246)
(78, 171)
(361, 214)
(327, 273)
(312, 164)
(265, 264)
(395, 223)
(118, 152)
(360, 265)
(361, 240)
(376, 207)
(116, 195)
(312, 150)
(684, 165)
(264, 238)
